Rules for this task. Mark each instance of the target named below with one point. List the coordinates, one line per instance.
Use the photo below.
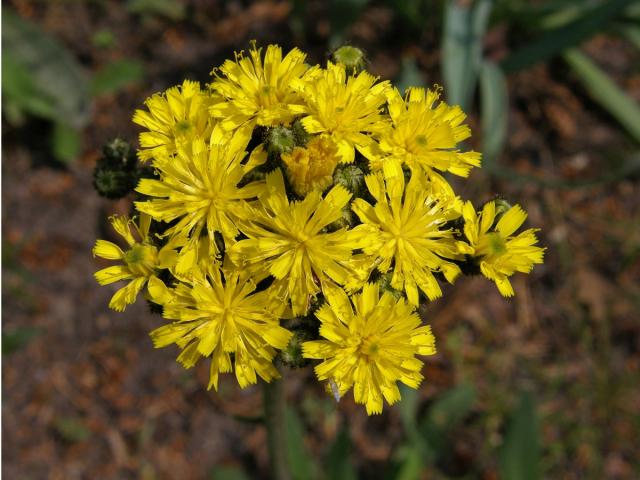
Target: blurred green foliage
(42, 78)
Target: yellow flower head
(287, 240)
(258, 92)
(370, 346)
(345, 107)
(219, 314)
(500, 253)
(311, 167)
(424, 134)
(406, 227)
(175, 117)
(140, 262)
(199, 188)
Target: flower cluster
(302, 206)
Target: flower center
(421, 140)
(141, 259)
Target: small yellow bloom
(287, 240)
(218, 314)
(199, 188)
(141, 261)
(311, 167)
(424, 134)
(175, 117)
(499, 252)
(345, 107)
(407, 228)
(258, 92)
(369, 346)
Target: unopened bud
(349, 176)
(292, 354)
(351, 57)
(280, 140)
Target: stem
(275, 421)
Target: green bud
(111, 183)
(119, 152)
(300, 134)
(502, 206)
(116, 173)
(349, 176)
(351, 57)
(347, 220)
(292, 354)
(280, 140)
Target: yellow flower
(219, 313)
(256, 92)
(311, 168)
(370, 348)
(500, 253)
(141, 261)
(199, 188)
(424, 135)
(407, 228)
(175, 117)
(287, 240)
(346, 108)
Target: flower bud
(351, 57)
(115, 174)
(292, 354)
(280, 140)
(349, 176)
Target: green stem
(275, 421)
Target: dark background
(544, 385)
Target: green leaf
(301, 463)
(115, 76)
(20, 90)
(494, 113)
(464, 29)
(17, 338)
(53, 71)
(409, 76)
(569, 34)
(170, 9)
(339, 466)
(446, 413)
(65, 142)
(412, 465)
(228, 473)
(605, 92)
(72, 429)
(519, 456)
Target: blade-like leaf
(555, 41)
(494, 113)
(410, 75)
(464, 29)
(339, 466)
(300, 462)
(604, 91)
(445, 414)
(520, 453)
